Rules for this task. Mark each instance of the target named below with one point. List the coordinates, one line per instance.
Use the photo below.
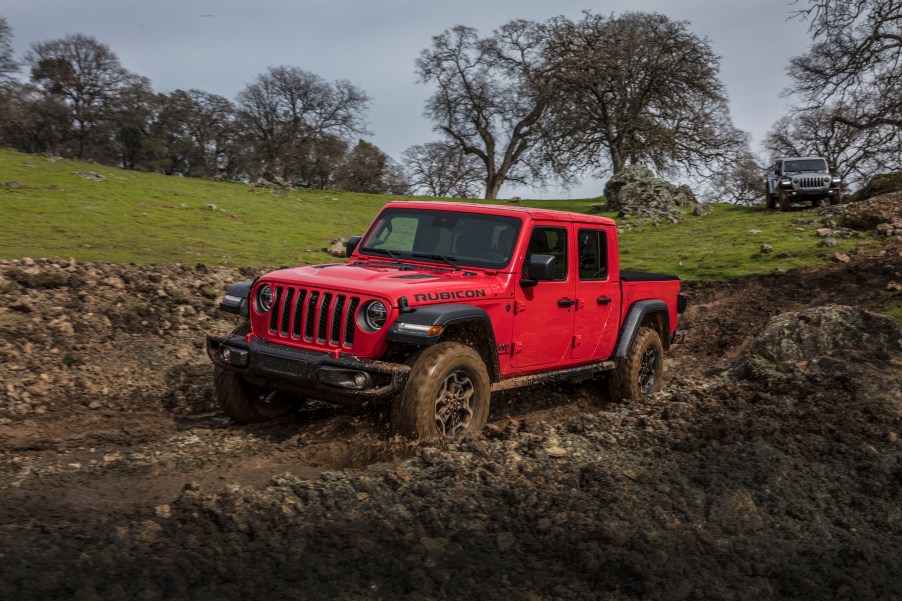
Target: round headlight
(374, 315)
(264, 298)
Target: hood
(420, 286)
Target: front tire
(447, 396)
(641, 372)
(784, 201)
(769, 198)
(243, 402)
(836, 198)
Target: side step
(584, 371)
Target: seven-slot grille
(313, 316)
(816, 181)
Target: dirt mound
(779, 482)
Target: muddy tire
(836, 198)
(784, 201)
(641, 372)
(447, 395)
(243, 402)
(769, 198)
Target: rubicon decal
(434, 296)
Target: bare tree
(287, 108)
(87, 76)
(638, 89)
(197, 131)
(368, 169)
(853, 153)
(855, 61)
(490, 99)
(32, 121)
(8, 66)
(443, 169)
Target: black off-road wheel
(244, 402)
(836, 198)
(784, 201)
(447, 396)
(641, 372)
(769, 198)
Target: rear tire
(641, 372)
(447, 396)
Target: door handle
(603, 300)
(565, 302)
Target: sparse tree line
(533, 103)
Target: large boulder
(635, 191)
(819, 342)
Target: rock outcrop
(635, 191)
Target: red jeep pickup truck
(439, 305)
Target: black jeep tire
(447, 396)
(836, 198)
(769, 198)
(641, 372)
(243, 401)
(784, 201)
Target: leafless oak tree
(856, 60)
(287, 108)
(638, 88)
(490, 99)
(443, 169)
(87, 76)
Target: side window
(593, 256)
(549, 241)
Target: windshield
(445, 237)
(805, 165)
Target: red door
(597, 297)
(544, 313)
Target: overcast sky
(220, 45)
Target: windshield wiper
(449, 260)
(384, 251)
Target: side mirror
(351, 245)
(540, 268)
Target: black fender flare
(237, 299)
(633, 322)
(413, 326)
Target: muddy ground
(121, 479)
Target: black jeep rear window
(469, 239)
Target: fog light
(233, 356)
(345, 378)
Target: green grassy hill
(47, 210)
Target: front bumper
(325, 376)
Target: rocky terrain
(770, 466)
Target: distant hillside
(47, 209)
